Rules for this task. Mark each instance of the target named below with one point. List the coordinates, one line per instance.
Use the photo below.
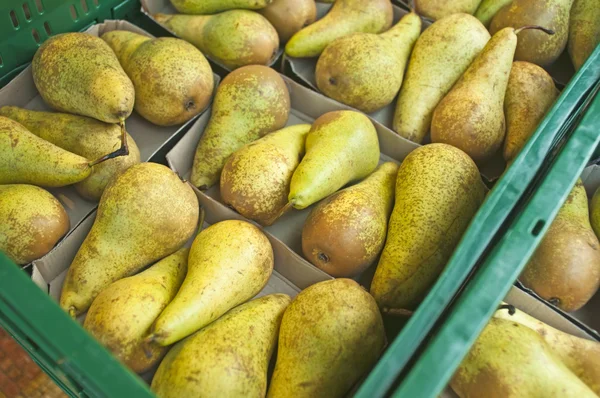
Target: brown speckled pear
(31, 222)
(173, 81)
(509, 360)
(228, 358)
(439, 58)
(437, 9)
(344, 18)
(122, 314)
(214, 6)
(233, 38)
(250, 102)
(83, 136)
(230, 262)
(344, 234)
(331, 335)
(144, 214)
(529, 95)
(584, 30)
(565, 268)
(488, 8)
(438, 191)
(365, 70)
(256, 179)
(78, 73)
(290, 16)
(595, 212)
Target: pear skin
(584, 30)
(595, 212)
(488, 8)
(214, 6)
(437, 9)
(290, 16)
(122, 314)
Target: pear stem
(146, 345)
(397, 312)
(72, 312)
(511, 308)
(537, 27)
(280, 213)
(122, 151)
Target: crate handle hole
(13, 18)
(36, 36)
(47, 28)
(73, 12)
(1, 63)
(84, 6)
(537, 228)
(39, 6)
(26, 11)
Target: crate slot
(47, 28)
(537, 228)
(84, 6)
(96, 3)
(73, 12)
(39, 6)
(13, 18)
(26, 11)
(36, 35)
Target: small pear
(214, 6)
(437, 9)
(256, 179)
(488, 9)
(229, 263)
(330, 336)
(250, 102)
(365, 70)
(31, 222)
(344, 18)
(595, 212)
(121, 316)
(341, 147)
(290, 16)
(344, 234)
(584, 30)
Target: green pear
(122, 314)
(256, 179)
(290, 16)
(83, 136)
(365, 70)
(584, 30)
(439, 58)
(234, 38)
(529, 95)
(31, 222)
(250, 102)
(438, 191)
(229, 263)
(172, 79)
(228, 358)
(341, 147)
(78, 73)
(595, 212)
(344, 18)
(437, 9)
(145, 214)
(509, 360)
(565, 268)
(488, 9)
(344, 234)
(535, 46)
(330, 336)
(214, 6)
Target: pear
(438, 191)
(584, 30)
(78, 73)
(229, 357)
(365, 70)
(488, 8)
(31, 222)
(565, 268)
(509, 360)
(529, 95)
(344, 18)
(256, 179)
(250, 102)
(595, 212)
(214, 6)
(535, 46)
(330, 336)
(341, 147)
(83, 136)
(121, 316)
(234, 38)
(144, 214)
(581, 356)
(172, 79)
(344, 234)
(437, 9)
(229, 263)
(440, 56)
(290, 16)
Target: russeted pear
(584, 30)
(31, 222)
(437, 9)
(595, 212)
(289, 16)
(344, 234)
(214, 6)
(331, 335)
(535, 46)
(78, 73)
(529, 95)
(144, 214)
(172, 79)
(488, 8)
(365, 70)
(565, 268)
(228, 358)
(509, 360)
(438, 191)
(234, 38)
(83, 136)
(439, 58)
(344, 18)
(256, 179)
(122, 314)
(250, 102)
(341, 147)
(229, 263)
